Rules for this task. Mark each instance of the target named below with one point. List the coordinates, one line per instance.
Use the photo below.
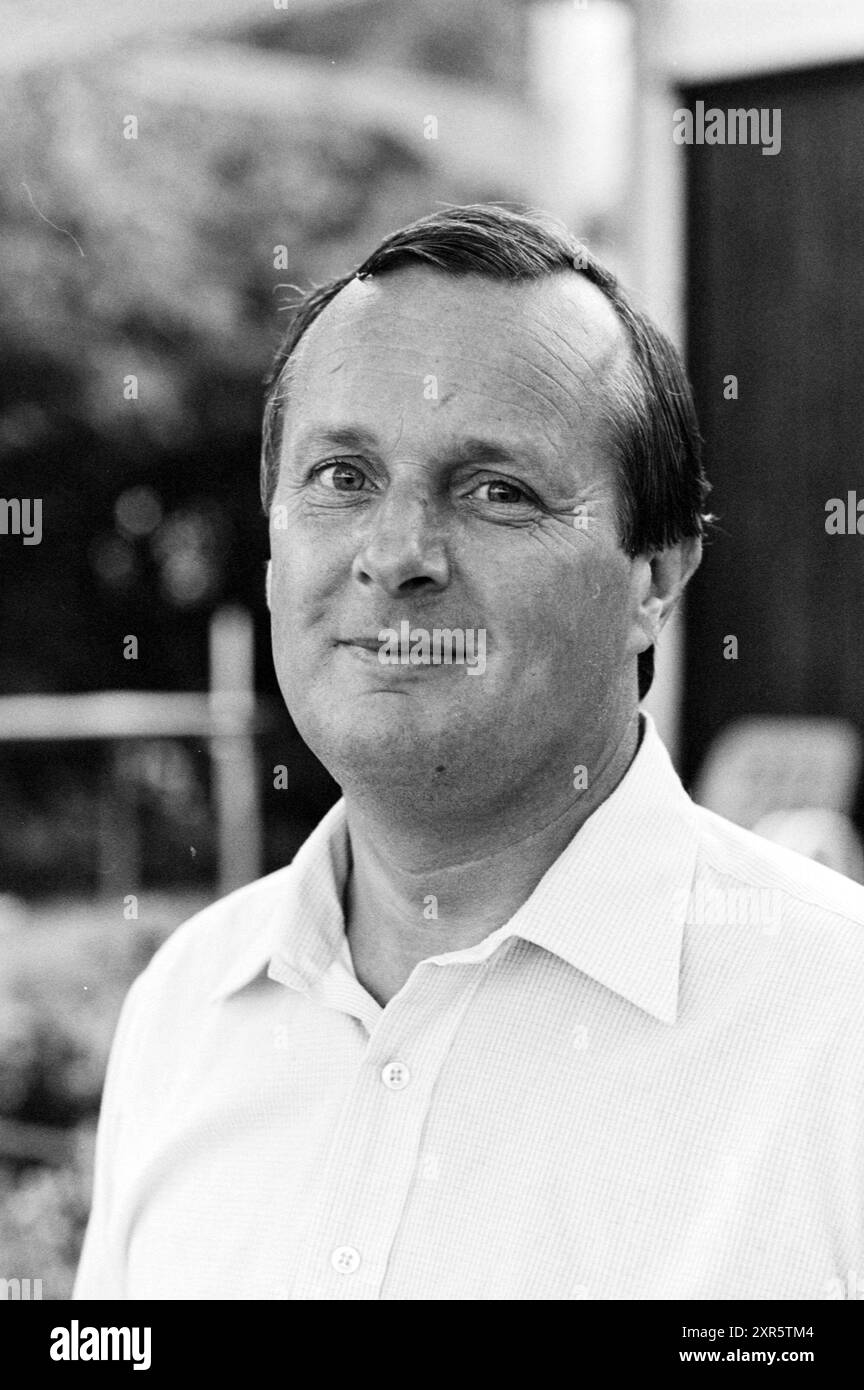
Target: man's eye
(341, 476)
(499, 490)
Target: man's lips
(371, 644)
(418, 650)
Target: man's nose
(403, 547)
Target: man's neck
(420, 889)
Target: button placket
(374, 1152)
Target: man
(503, 1030)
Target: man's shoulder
(739, 854)
(754, 859)
(236, 927)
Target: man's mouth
(410, 648)
(371, 644)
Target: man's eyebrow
(471, 449)
(351, 437)
(476, 450)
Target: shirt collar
(302, 922)
(611, 905)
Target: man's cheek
(287, 580)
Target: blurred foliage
(478, 40)
(66, 968)
(43, 1217)
(154, 793)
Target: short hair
(651, 415)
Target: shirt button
(345, 1259)
(395, 1076)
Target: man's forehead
(424, 312)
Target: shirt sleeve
(101, 1273)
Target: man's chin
(398, 743)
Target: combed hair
(650, 411)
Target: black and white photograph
(431, 681)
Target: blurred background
(168, 171)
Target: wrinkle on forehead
(575, 348)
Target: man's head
(475, 430)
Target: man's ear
(662, 577)
(268, 581)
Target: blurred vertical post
(232, 706)
(119, 836)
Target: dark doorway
(775, 266)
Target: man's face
(440, 434)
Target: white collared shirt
(648, 1084)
